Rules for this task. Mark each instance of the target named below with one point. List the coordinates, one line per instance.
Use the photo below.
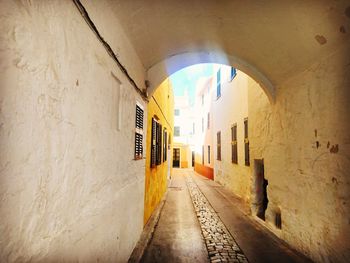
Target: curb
(147, 233)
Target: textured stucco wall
(161, 105)
(304, 140)
(230, 108)
(69, 187)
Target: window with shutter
(138, 133)
(218, 141)
(158, 143)
(233, 73)
(218, 83)
(202, 154)
(208, 124)
(209, 154)
(153, 143)
(234, 157)
(246, 143)
(165, 145)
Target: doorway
(192, 158)
(176, 157)
(261, 199)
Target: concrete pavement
(181, 237)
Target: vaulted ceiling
(280, 38)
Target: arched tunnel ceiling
(280, 38)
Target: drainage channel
(220, 244)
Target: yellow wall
(161, 105)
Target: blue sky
(186, 78)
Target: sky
(186, 78)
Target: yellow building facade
(160, 126)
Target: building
(160, 126)
(203, 127)
(75, 76)
(183, 132)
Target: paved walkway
(203, 222)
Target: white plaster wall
(205, 90)
(309, 184)
(230, 108)
(69, 187)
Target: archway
(161, 70)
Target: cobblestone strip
(220, 244)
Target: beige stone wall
(304, 141)
(69, 187)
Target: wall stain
(334, 148)
(347, 12)
(321, 39)
(318, 144)
(342, 29)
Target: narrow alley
(174, 131)
(203, 222)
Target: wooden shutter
(218, 140)
(165, 145)
(209, 154)
(246, 143)
(139, 117)
(158, 143)
(138, 133)
(202, 154)
(153, 143)
(234, 143)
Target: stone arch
(161, 70)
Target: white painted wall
(230, 108)
(69, 187)
(203, 104)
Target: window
(202, 124)
(218, 142)
(177, 112)
(246, 143)
(202, 154)
(233, 73)
(218, 83)
(193, 128)
(156, 143)
(208, 122)
(234, 155)
(159, 143)
(165, 145)
(177, 131)
(202, 99)
(138, 133)
(208, 153)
